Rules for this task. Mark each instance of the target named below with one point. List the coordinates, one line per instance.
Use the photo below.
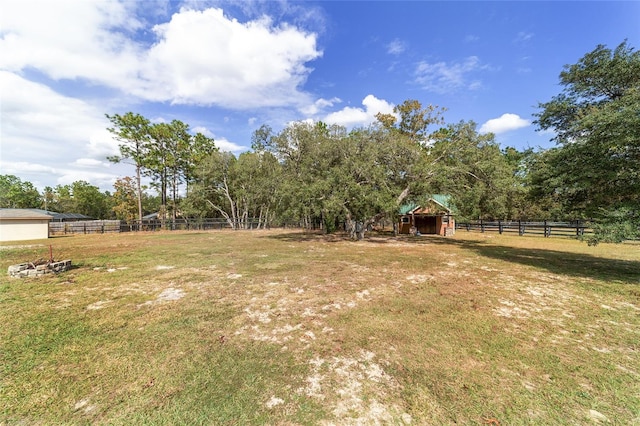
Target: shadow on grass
(372, 237)
(555, 261)
(563, 262)
(309, 236)
(559, 262)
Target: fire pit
(39, 267)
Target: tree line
(309, 172)
(79, 197)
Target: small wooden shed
(435, 217)
(23, 224)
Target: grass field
(282, 327)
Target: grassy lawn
(282, 327)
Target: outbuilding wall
(23, 229)
(427, 224)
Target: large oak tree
(596, 121)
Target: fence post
(520, 228)
(500, 226)
(481, 226)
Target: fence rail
(114, 226)
(545, 228)
(188, 224)
(84, 227)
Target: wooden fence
(183, 225)
(84, 227)
(546, 228)
(112, 226)
(209, 224)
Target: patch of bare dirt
(297, 313)
(542, 297)
(354, 387)
(294, 315)
(167, 295)
(98, 305)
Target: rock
(598, 417)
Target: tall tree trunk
(358, 229)
(139, 191)
(245, 214)
(350, 225)
(223, 213)
(174, 195)
(265, 217)
(163, 195)
(232, 204)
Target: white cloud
(205, 58)
(319, 105)
(23, 166)
(351, 116)
(396, 47)
(475, 85)
(324, 103)
(38, 122)
(47, 137)
(44, 133)
(190, 57)
(504, 123)
(523, 37)
(102, 180)
(101, 143)
(200, 129)
(348, 116)
(41, 175)
(197, 57)
(90, 162)
(222, 143)
(71, 39)
(442, 77)
(225, 145)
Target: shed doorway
(426, 224)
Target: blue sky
(225, 68)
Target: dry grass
(291, 328)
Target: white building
(23, 224)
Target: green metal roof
(441, 199)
